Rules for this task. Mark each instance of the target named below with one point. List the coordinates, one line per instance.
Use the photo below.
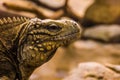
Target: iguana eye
(53, 28)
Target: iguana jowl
(28, 43)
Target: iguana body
(25, 43)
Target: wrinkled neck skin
(27, 70)
(30, 61)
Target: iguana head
(39, 39)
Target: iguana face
(43, 37)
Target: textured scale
(8, 22)
(26, 44)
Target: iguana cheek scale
(26, 43)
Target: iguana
(27, 43)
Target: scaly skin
(25, 43)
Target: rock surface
(92, 71)
(104, 11)
(54, 4)
(106, 33)
(29, 9)
(77, 8)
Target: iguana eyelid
(53, 27)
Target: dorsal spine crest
(13, 20)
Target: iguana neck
(26, 71)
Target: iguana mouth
(65, 37)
